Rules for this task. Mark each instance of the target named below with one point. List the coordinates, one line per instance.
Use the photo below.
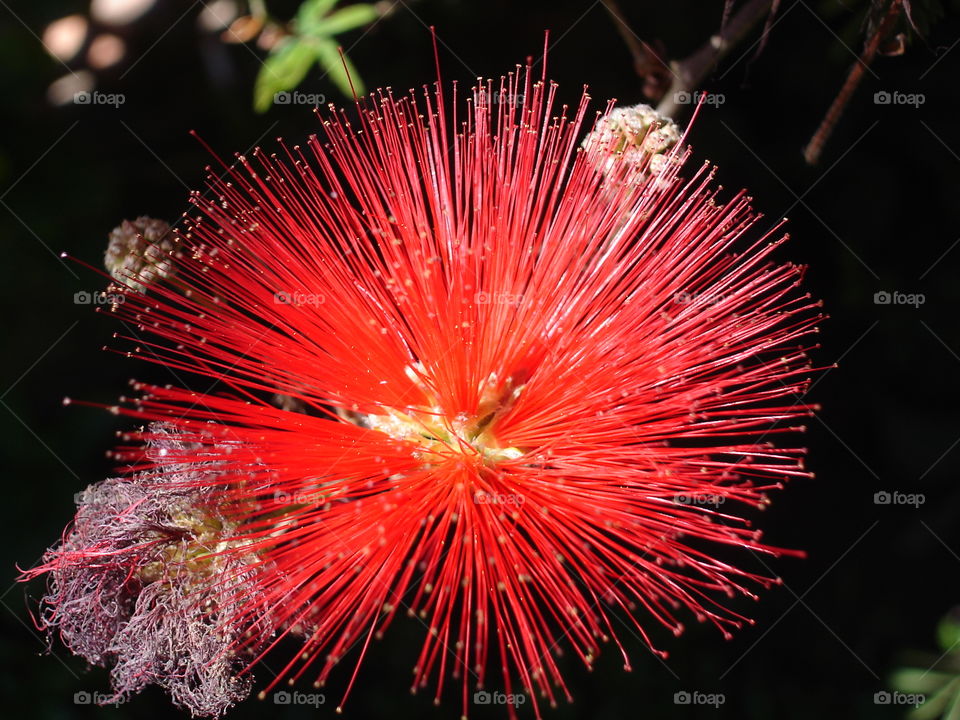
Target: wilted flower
(130, 585)
(520, 379)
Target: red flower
(525, 385)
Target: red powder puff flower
(525, 383)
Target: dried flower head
(141, 580)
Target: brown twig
(689, 72)
(647, 61)
(811, 153)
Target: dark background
(879, 213)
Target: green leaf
(329, 57)
(953, 712)
(286, 66)
(937, 704)
(313, 11)
(349, 18)
(917, 680)
(948, 634)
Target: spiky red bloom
(528, 385)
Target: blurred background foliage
(935, 677)
(880, 213)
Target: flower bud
(139, 252)
(638, 134)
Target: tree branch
(689, 72)
(811, 153)
(647, 62)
